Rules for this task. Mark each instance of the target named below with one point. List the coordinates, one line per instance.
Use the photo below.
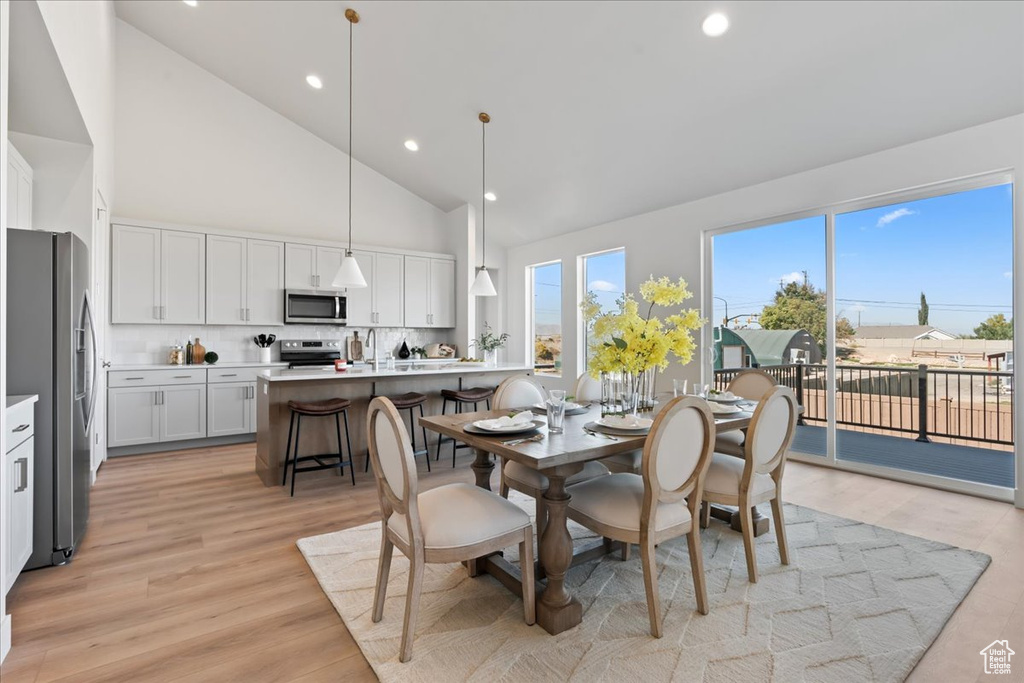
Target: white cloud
(602, 286)
(1008, 275)
(894, 215)
(795, 276)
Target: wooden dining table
(558, 457)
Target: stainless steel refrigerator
(51, 351)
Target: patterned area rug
(858, 603)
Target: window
(547, 318)
(604, 276)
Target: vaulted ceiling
(602, 110)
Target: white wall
(192, 149)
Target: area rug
(858, 603)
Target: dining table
(557, 456)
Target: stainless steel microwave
(312, 307)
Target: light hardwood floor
(189, 572)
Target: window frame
(581, 291)
(531, 326)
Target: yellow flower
(664, 292)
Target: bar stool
(409, 401)
(462, 397)
(333, 406)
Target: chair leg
(747, 524)
(426, 443)
(503, 488)
(526, 568)
(348, 445)
(288, 450)
(705, 514)
(295, 456)
(383, 572)
(780, 529)
(651, 585)
(625, 550)
(700, 588)
(412, 605)
(455, 445)
(341, 453)
(440, 436)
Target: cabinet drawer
(19, 424)
(145, 378)
(221, 375)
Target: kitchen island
(358, 384)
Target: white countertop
(13, 401)
(206, 366)
(365, 372)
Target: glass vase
(491, 358)
(627, 392)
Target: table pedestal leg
(761, 524)
(482, 467)
(557, 610)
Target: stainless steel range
(304, 353)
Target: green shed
(746, 348)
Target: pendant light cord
(350, 32)
(483, 192)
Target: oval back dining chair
(517, 392)
(662, 501)
(751, 384)
(758, 477)
(447, 524)
(588, 390)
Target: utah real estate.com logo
(997, 657)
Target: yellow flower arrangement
(625, 341)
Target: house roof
(1002, 644)
(897, 331)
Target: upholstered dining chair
(750, 384)
(662, 501)
(447, 524)
(758, 477)
(519, 392)
(588, 389)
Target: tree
(922, 312)
(801, 306)
(995, 327)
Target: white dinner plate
(625, 423)
(512, 428)
(719, 398)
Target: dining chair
(662, 501)
(758, 476)
(750, 384)
(519, 392)
(447, 524)
(588, 389)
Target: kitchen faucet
(372, 347)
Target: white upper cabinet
(183, 277)
(417, 291)
(19, 191)
(328, 260)
(135, 274)
(299, 266)
(226, 269)
(359, 301)
(429, 292)
(387, 289)
(265, 283)
(245, 281)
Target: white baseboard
(5, 636)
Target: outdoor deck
(967, 463)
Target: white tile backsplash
(151, 343)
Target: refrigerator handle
(93, 383)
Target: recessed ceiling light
(490, 196)
(716, 24)
(191, 3)
(314, 81)
(412, 145)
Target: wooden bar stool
(409, 401)
(462, 397)
(336, 407)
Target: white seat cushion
(734, 436)
(520, 477)
(616, 501)
(724, 475)
(458, 515)
(630, 461)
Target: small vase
(491, 358)
(403, 352)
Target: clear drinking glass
(679, 387)
(556, 411)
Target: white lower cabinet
(182, 412)
(19, 466)
(133, 416)
(231, 408)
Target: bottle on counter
(188, 352)
(389, 361)
(198, 353)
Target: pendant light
(349, 276)
(483, 286)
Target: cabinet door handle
(159, 395)
(20, 428)
(183, 377)
(156, 312)
(134, 379)
(22, 464)
(230, 375)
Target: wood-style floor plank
(189, 572)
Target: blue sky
(956, 248)
(605, 275)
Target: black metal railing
(973, 405)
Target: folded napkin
(522, 419)
(723, 395)
(723, 409)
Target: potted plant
(628, 347)
(489, 343)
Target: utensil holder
(265, 355)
